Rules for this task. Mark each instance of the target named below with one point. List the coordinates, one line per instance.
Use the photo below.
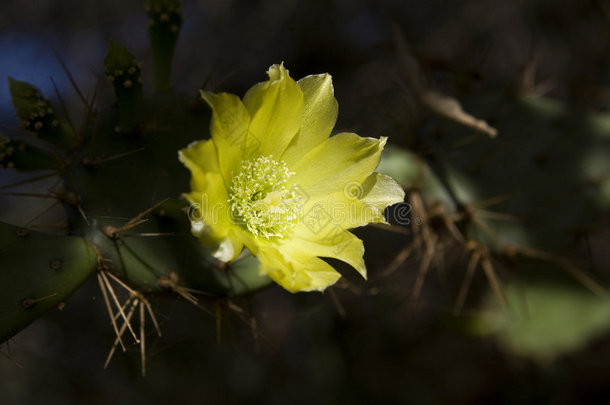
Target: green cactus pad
(124, 72)
(22, 156)
(39, 116)
(37, 273)
(164, 23)
(546, 319)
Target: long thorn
(118, 304)
(497, 216)
(26, 181)
(198, 292)
(421, 275)
(572, 270)
(35, 195)
(493, 281)
(392, 228)
(190, 298)
(120, 155)
(9, 358)
(125, 305)
(461, 298)
(142, 339)
(90, 110)
(131, 224)
(152, 316)
(109, 307)
(71, 78)
(118, 280)
(153, 234)
(137, 220)
(335, 299)
(485, 228)
(453, 230)
(82, 213)
(41, 213)
(63, 105)
(134, 303)
(218, 324)
(398, 260)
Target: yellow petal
(381, 191)
(276, 111)
(378, 191)
(228, 248)
(331, 241)
(308, 274)
(319, 116)
(354, 206)
(340, 162)
(209, 216)
(229, 130)
(200, 157)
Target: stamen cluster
(262, 199)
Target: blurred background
(380, 341)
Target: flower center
(261, 198)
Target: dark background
(361, 342)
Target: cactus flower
(272, 179)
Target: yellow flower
(272, 179)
